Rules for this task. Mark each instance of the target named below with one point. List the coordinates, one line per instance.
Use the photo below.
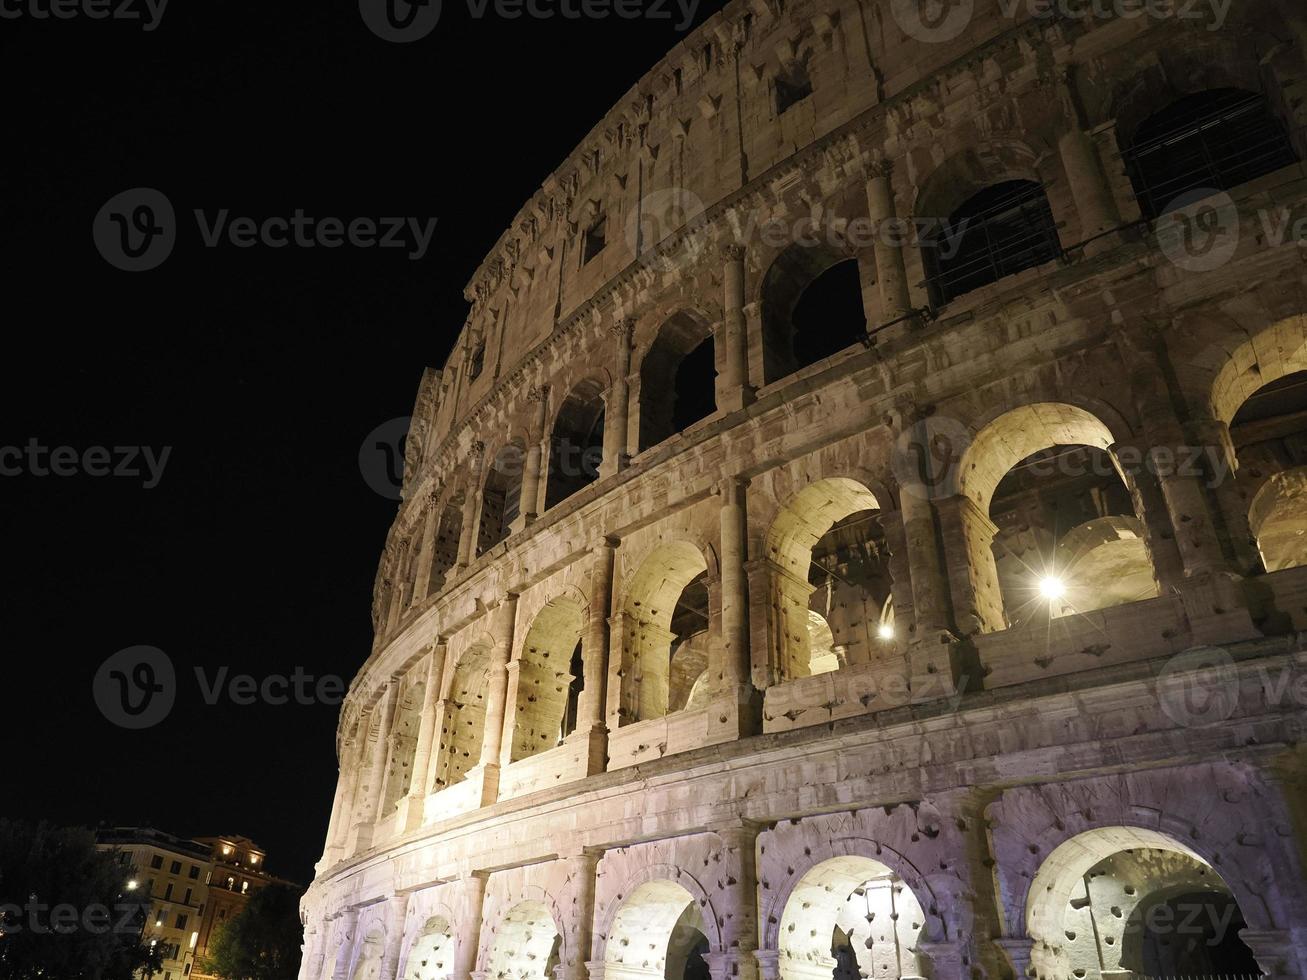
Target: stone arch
(971, 169)
(660, 872)
(444, 540)
(1268, 354)
(642, 933)
(464, 718)
(859, 887)
(934, 929)
(576, 440)
(501, 494)
(1206, 60)
(1070, 930)
(545, 682)
(790, 275)
(431, 952)
(1058, 441)
(676, 378)
(368, 956)
(1276, 519)
(651, 600)
(404, 741)
(527, 943)
(826, 507)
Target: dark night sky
(263, 369)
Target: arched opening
(431, 957)
(664, 632)
(1059, 519)
(677, 380)
(526, 944)
(1130, 899)
(1213, 140)
(831, 581)
(545, 682)
(500, 497)
(464, 723)
(850, 916)
(1269, 434)
(997, 232)
(813, 307)
(367, 963)
(404, 742)
(658, 932)
(444, 545)
(576, 446)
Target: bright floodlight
(1052, 587)
(885, 632)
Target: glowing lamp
(1052, 587)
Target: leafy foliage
(262, 942)
(65, 910)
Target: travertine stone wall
(960, 776)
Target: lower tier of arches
(1189, 868)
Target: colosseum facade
(858, 531)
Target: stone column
(1212, 590)
(1274, 951)
(469, 531)
(1018, 952)
(468, 925)
(736, 392)
(581, 877)
(968, 539)
(891, 274)
(422, 577)
(945, 959)
(739, 924)
(396, 909)
(536, 458)
(424, 755)
(339, 802)
(1213, 438)
(1084, 169)
(736, 703)
(351, 767)
(392, 746)
(513, 673)
(497, 692)
(436, 765)
(594, 652)
(617, 405)
(367, 815)
(347, 930)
